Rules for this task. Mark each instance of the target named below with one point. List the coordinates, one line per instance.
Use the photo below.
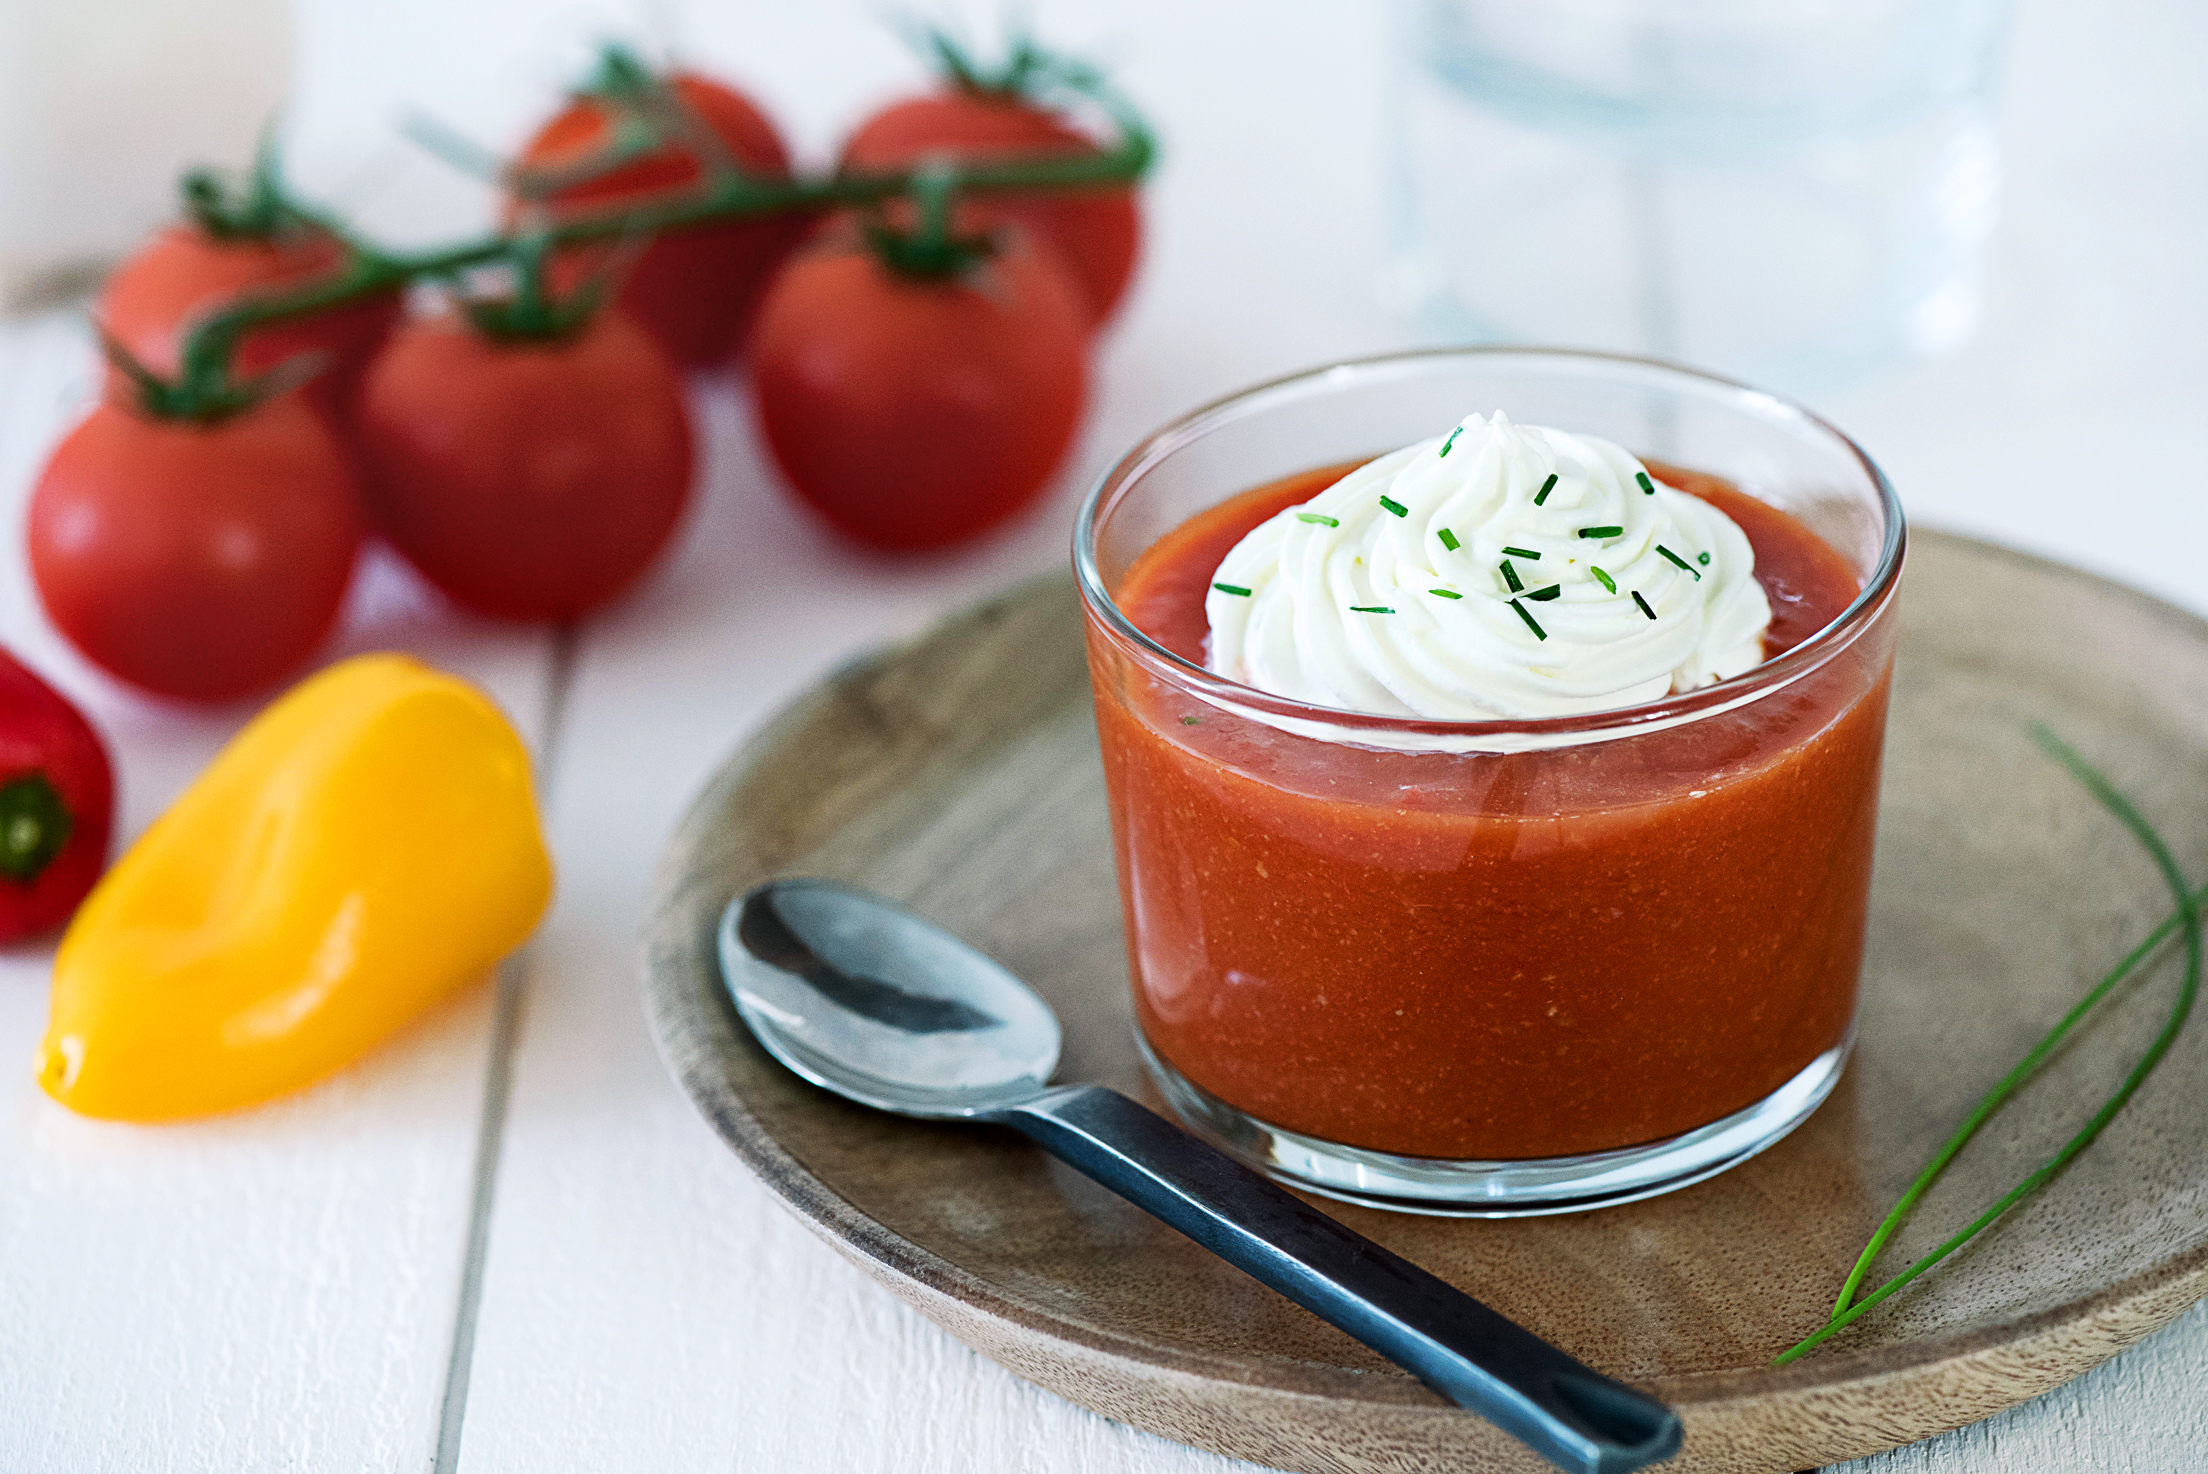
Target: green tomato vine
(645, 115)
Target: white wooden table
(516, 1179)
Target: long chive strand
(2187, 917)
(1998, 1096)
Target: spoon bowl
(877, 1005)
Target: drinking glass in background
(1794, 192)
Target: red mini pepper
(57, 799)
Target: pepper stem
(34, 827)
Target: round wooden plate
(959, 774)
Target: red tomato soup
(1494, 956)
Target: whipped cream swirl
(1502, 571)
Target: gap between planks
(498, 1081)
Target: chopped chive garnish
(1316, 517)
(1232, 588)
(1546, 487)
(1675, 558)
(1647, 486)
(1510, 576)
(1523, 553)
(1192, 721)
(1452, 440)
(1527, 615)
(1548, 593)
(1449, 540)
(1703, 559)
(1370, 609)
(1395, 506)
(1602, 532)
(1603, 578)
(1445, 593)
(1644, 604)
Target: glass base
(1509, 1189)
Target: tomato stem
(649, 116)
(930, 251)
(532, 314)
(256, 211)
(1028, 73)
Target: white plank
(646, 1305)
(269, 1290)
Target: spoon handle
(1566, 1411)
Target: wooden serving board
(959, 774)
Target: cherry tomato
(695, 291)
(527, 478)
(196, 560)
(1096, 232)
(184, 272)
(916, 411)
(57, 800)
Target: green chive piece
(1232, 588)
(1647, 486)
(1523, 553)
(1531, 624)
(1449, 540)
(1703, 559)
(1683, 563)
(1548, 593)
(1452, 440)
(1370, 609)
(1395, 506)
(1546, 487)
(1644, 604)
(1192, 721)
(1445, 593)
(1510, 576)
(1315, 517)
(1603, 578)
(1602, 532)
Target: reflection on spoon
(766, 936)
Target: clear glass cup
(1343, 929)
(1794, 191)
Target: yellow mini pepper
(365, 847)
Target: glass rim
(1781, 670)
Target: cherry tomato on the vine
(1096, 232)
(910, 410)
(184, 272)
(196, 560)
(694, 290)
(529, 478)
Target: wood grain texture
(959, 775)
(273, 1289)
(2142, 1411)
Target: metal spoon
(869, 1001)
